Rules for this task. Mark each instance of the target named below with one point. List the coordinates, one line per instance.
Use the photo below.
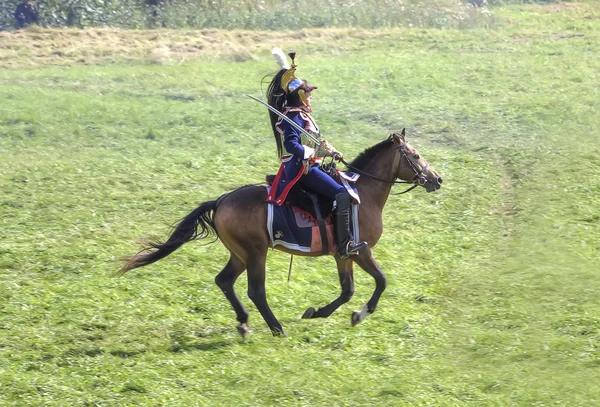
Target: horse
(239, 220)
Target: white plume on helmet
(280, 58)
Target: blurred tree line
(248, 14)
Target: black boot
(345, 245)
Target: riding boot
(346, 247)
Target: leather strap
(322, 225)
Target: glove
(338, 156)
(325, 150)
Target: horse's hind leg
(257, 292)
(366, 261)
(225, 280)
(345, 273)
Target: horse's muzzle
(433, 185)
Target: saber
(287, 119)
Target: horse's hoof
(357, 317)
(308, 313)
(243, 330)
(277, 332)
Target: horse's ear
(398, 139)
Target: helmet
(285, 89)
(289, 83)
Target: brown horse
(239, 219)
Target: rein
(417, 179)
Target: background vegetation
(263, 14)
(107, 136)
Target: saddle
(318, 206)
(305, 200)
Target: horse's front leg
(366, 261)
(345, 268)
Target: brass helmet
(289, 82)
(285, 90)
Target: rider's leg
(318, 181)
(345, 245)
(321, 183)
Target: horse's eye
(417, 156)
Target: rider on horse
(301, 164)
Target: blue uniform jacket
(298, 149)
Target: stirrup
(350, 249)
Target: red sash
(280, 199)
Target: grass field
(492, 295)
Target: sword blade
(287, 119)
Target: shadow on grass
(202, 346)
(122, 353)
(205, 339)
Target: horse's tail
(198, 224)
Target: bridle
(418, 179)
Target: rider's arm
(292, 140)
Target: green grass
(492, 297)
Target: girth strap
(322, 226)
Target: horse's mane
(370, 153)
